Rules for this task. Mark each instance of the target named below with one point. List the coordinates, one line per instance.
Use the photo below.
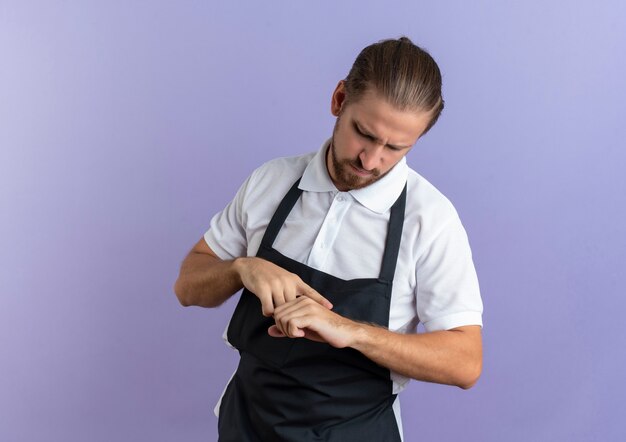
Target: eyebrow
(366, 132)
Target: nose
(370, 156)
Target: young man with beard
(340, 254)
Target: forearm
(207, 281)
(452, 357)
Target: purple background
(125, 125)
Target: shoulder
(424, 199)
(271, 180)
(283, 168)
(428, 211)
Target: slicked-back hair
(401, 72)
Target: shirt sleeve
(448, 293)
(227, 232)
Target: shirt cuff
(455, 320)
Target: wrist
(239, 266)
(364, 336)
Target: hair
(402, 72)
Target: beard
(344, 177)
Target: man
(341, 253)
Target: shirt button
(321, 245)
(340, 198)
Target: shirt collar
(377, 197)
(316, 177)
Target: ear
(338, 98)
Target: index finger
(310, 292)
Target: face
(369, 138)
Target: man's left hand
(305, 318)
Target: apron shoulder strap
(279, 217)
(394, 235)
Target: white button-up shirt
(343, 234)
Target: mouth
(360, 172)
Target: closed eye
(372, 137)
(364, 135)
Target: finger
(292, 306)
(293, 317)
(289, 327)
(267, 303)
(310, 292)
(282, 324)
(275, 332)
(278, 297)
(290, 292)
(294, 330)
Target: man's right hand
(274, 285)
